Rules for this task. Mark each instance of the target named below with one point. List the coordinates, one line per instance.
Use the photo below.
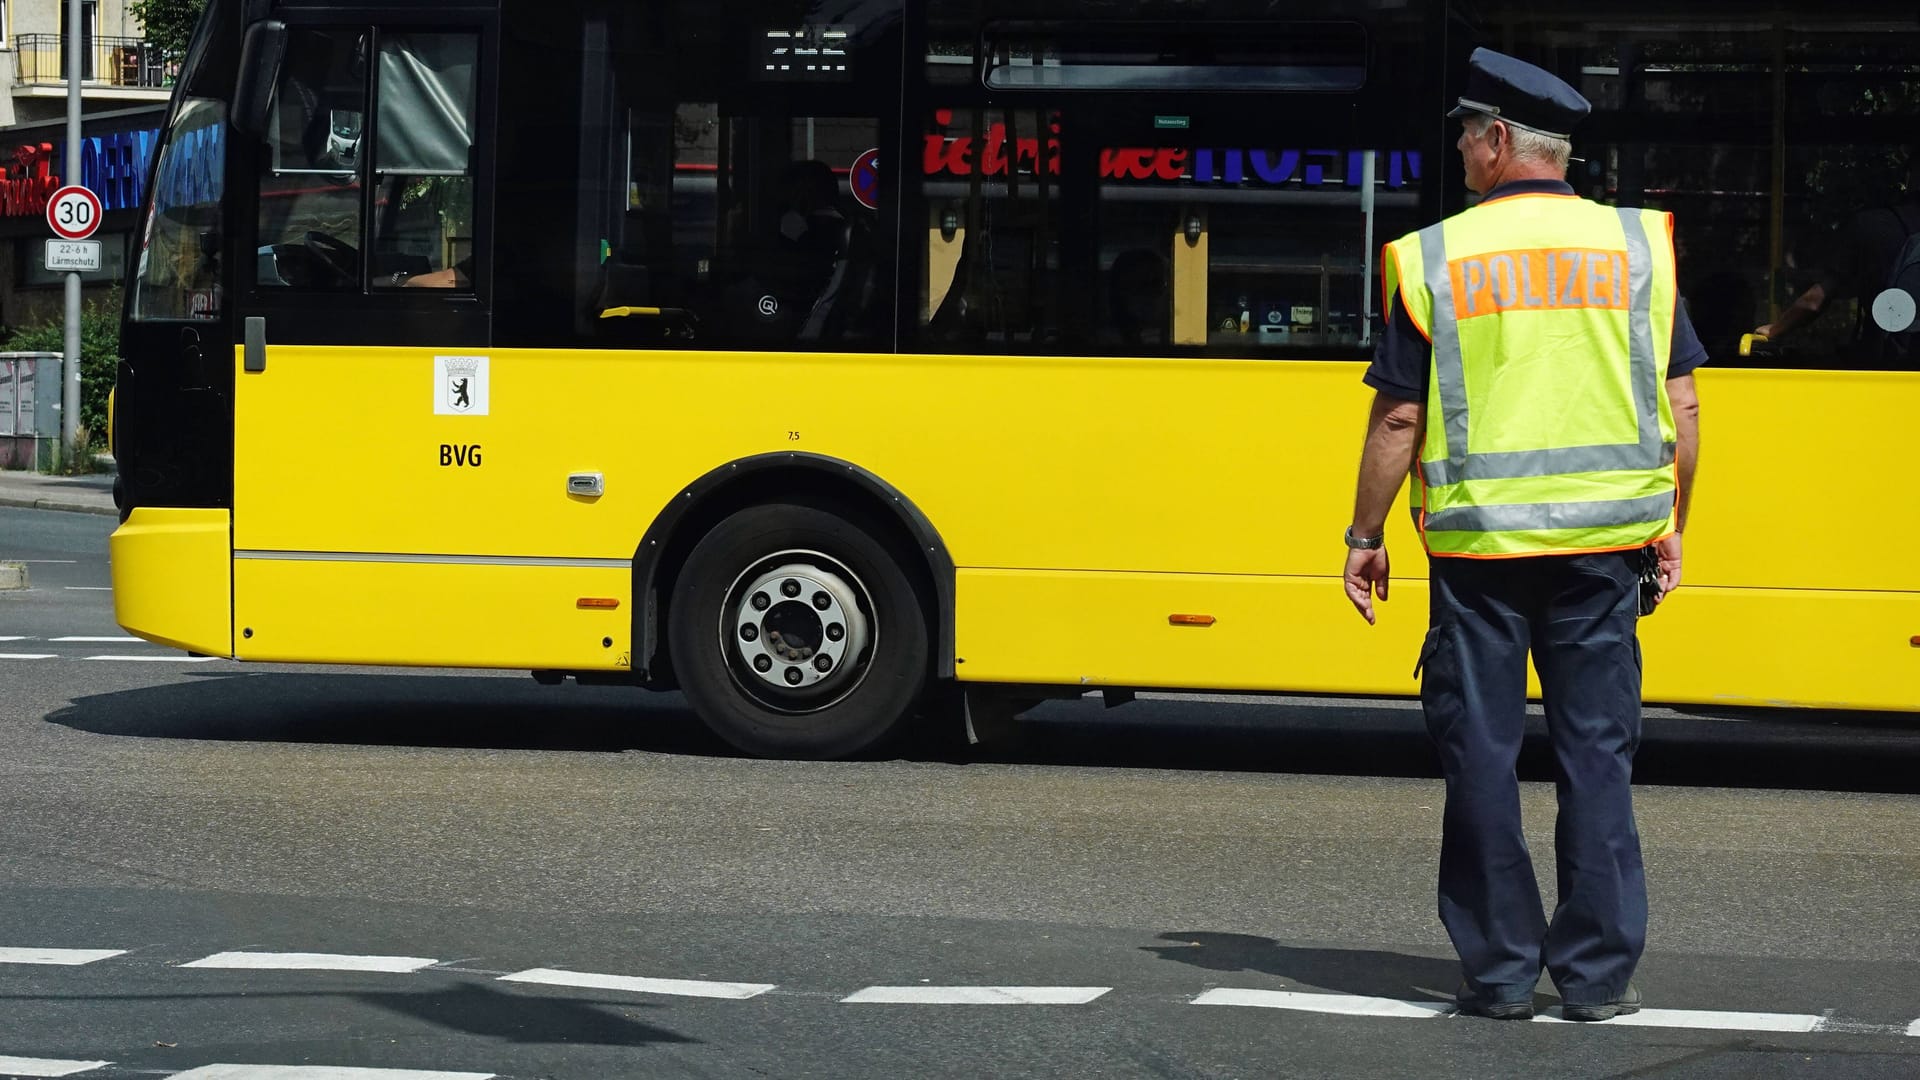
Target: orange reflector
(597, 602)
(1190, 620)
(1914, 641)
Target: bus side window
(310, 194)
(740, 230)
(994, 211)
(422, 161)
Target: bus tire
(795, 633)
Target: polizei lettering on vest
(1540, 279)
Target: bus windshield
(178, 276)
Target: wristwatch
(1365, 543)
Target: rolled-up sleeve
(1687, 352)
(1401, 359)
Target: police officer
(1535, 376)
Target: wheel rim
(797, 629)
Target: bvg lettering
(459, 455)
(1542, 279)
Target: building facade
(124, 84)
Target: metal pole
(70, 397)
(1366, 249)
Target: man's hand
(1668, 551)
(1367, 575)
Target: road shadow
(1836, 751)
(435, 710)
(526, 1019)
(1362, 972)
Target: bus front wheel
(795, 633)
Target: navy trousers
(1576, 613)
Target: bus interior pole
(70, 384)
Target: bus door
(359, 230)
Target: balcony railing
(109, 61)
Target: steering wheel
(339, 257)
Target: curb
(58, 504)
(13, 575)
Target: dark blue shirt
(1402, 359)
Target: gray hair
(1527, 145)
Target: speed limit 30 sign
(73, 212)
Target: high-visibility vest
(1547, 424)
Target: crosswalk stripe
(975, 995)
(1354, 1005)
(319, 1073)
(156, 659)
(26, 1066)
(641, 985)
(295, 961)
(1335, 1004)
(61, 957)
(1692, 1018)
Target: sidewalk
(91, 494)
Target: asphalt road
(1127, 870)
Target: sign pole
(70, 397)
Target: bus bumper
(173, 578)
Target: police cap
(1521, 94)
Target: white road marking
(640, 985)
(975, 995)
(11, 637)
(46, 562)
(1336, 1004)
(89, 588)
(1691, 1018)
(26, 1066)
(155, 659)
(1914, 1029)
(26, 656)
(306, 961)
(121, 638)
(62, 957)
(319, 1073)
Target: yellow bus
(833, 362)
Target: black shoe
(1626, 1004)
(1469, 1003)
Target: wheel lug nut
(794, 676)
(761, 601)
(823, 663)
(835, 631)
(763, 663)
(749, 632)
(789, 588)
(822, 601)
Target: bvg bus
(830, 360)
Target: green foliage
(169, 23)
(99, 353)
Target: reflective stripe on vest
(1542, 499)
